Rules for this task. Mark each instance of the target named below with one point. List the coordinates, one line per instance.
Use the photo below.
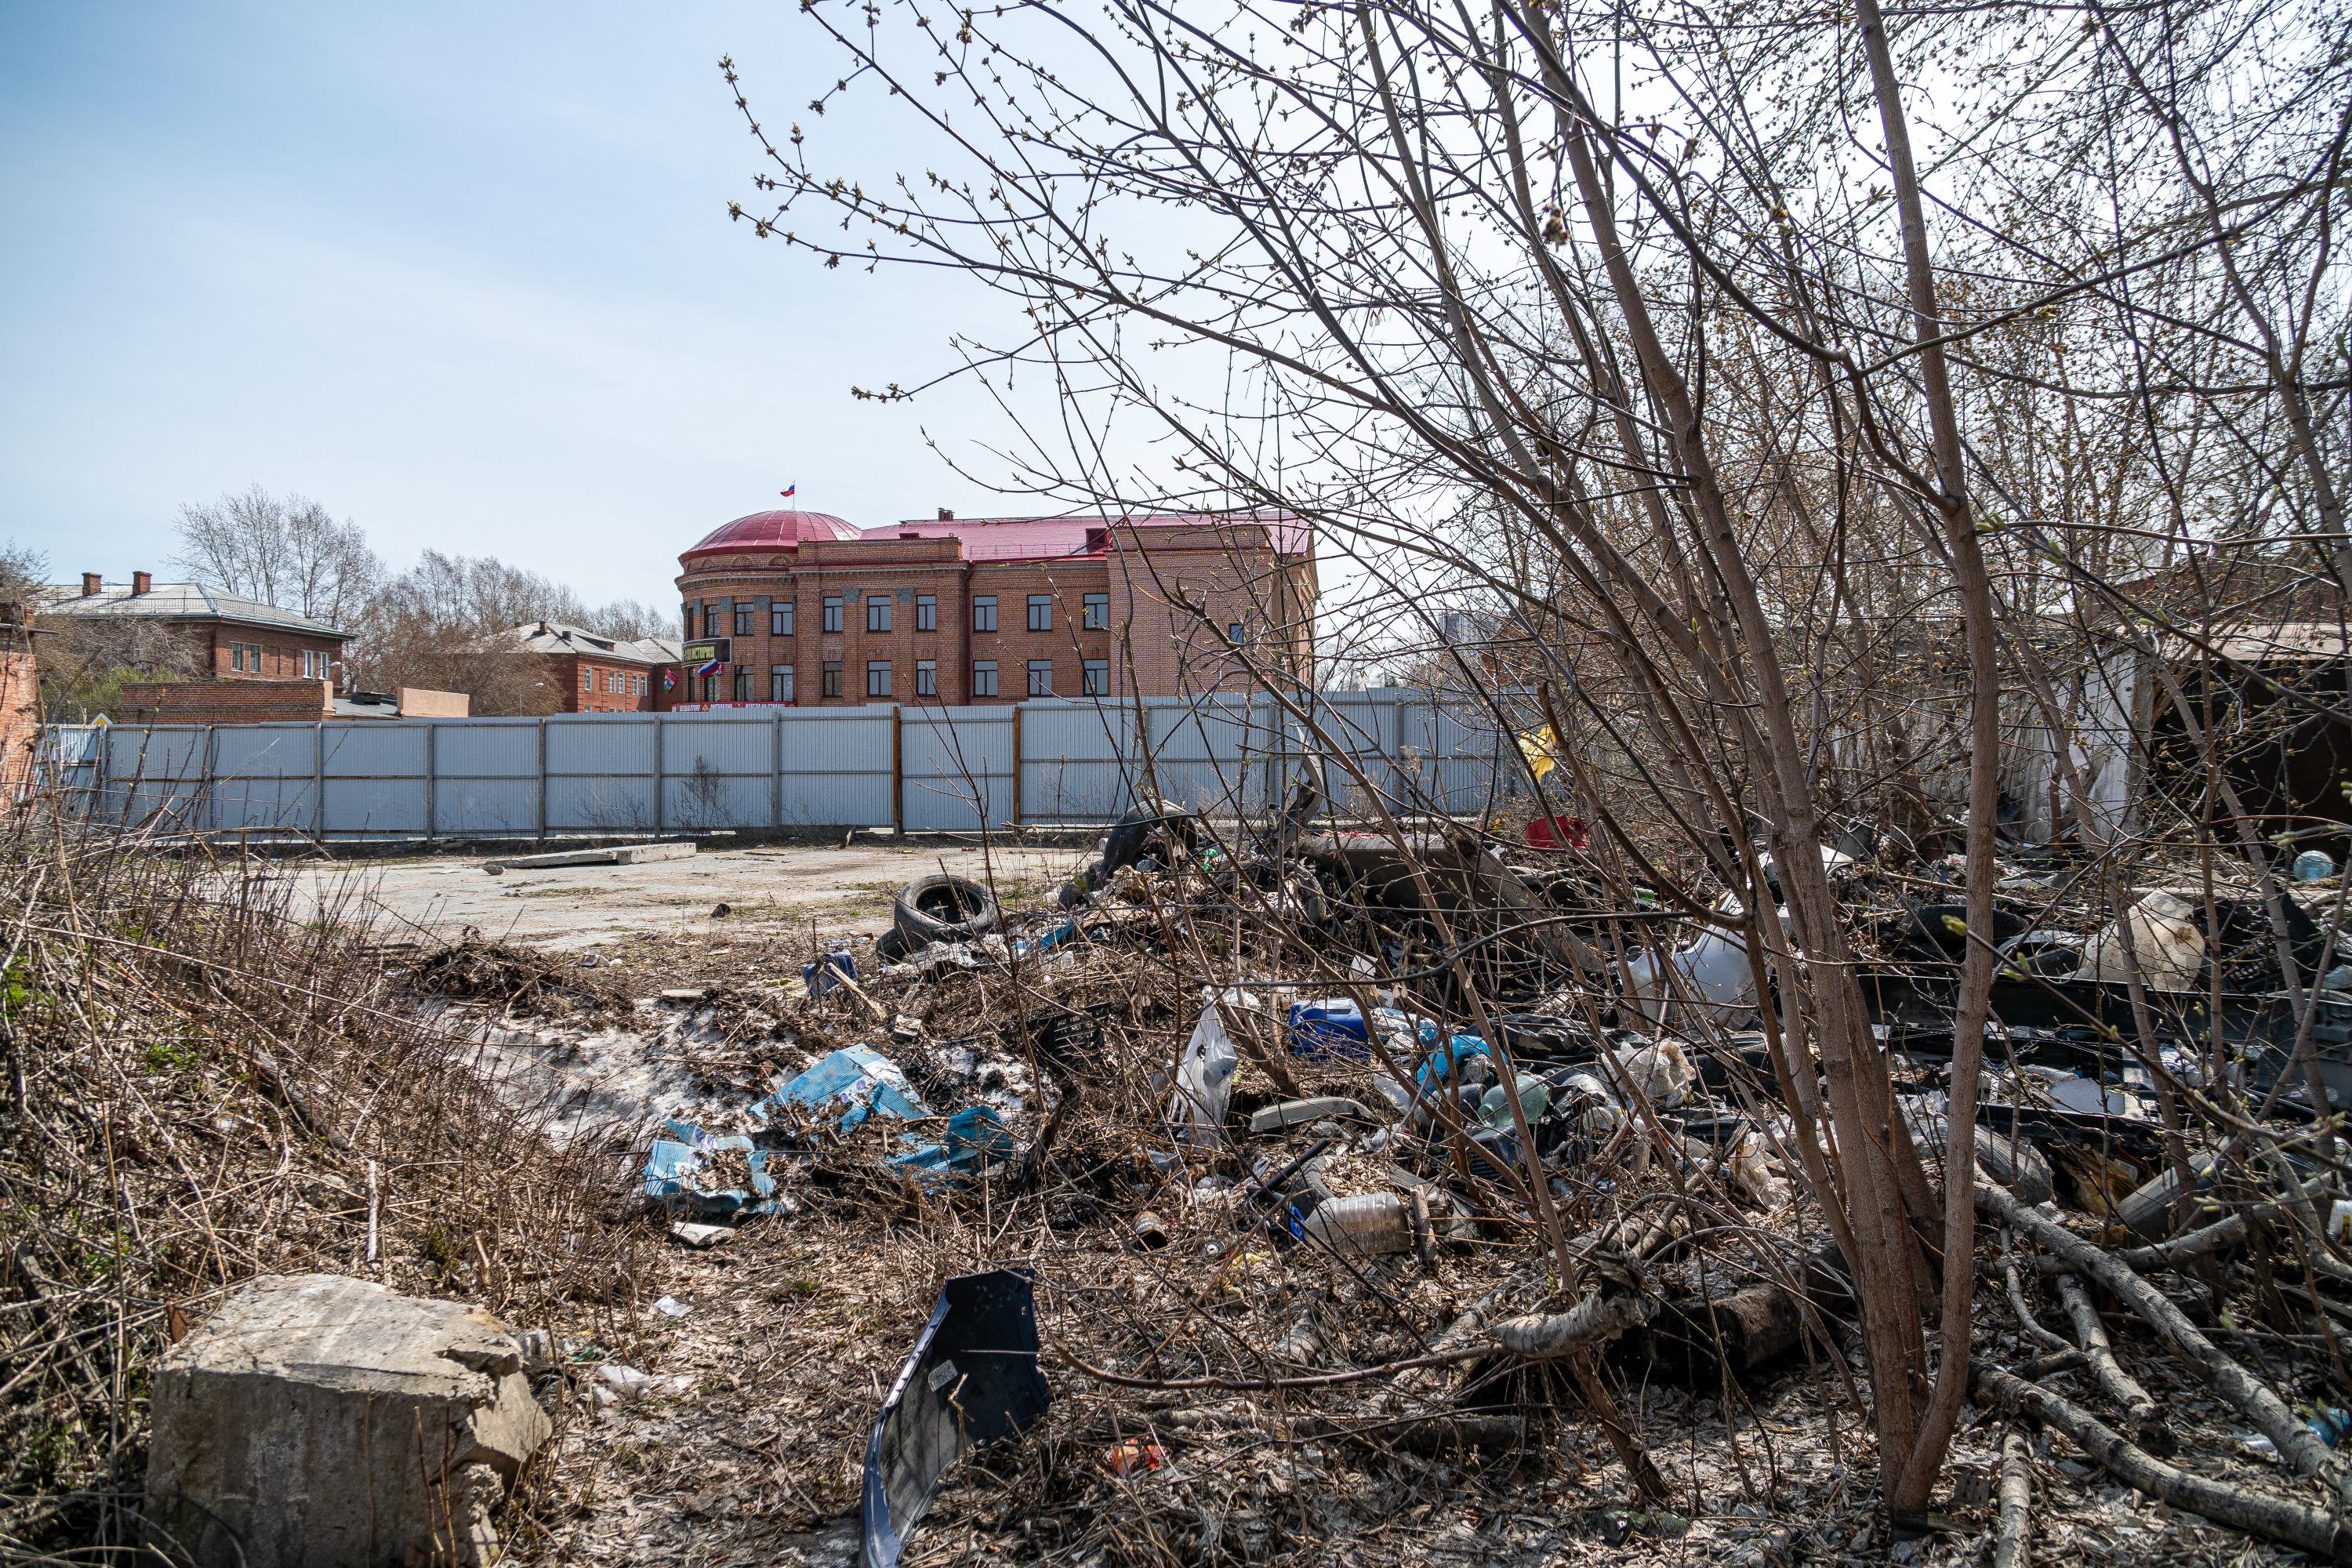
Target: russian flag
(788, 491)
(713, 667)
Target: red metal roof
(768, 531)
(1056, 537)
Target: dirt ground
(562, 907)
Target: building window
(983, 613)
(833, 678)
(710, 689)
(1097, 612)
(877, 678)
(236, 657)
(927, 612)
(743, 620)
(984, 678)
(780, 683)
(926, 677)
(1041, 611)
(877, 612)
(1097, 677)
(1237, 633)
(587, 680)
(832, 612)
(709, 618)
(742, 683)
(1040, 678)
(780, 619)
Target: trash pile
(1386, 1142)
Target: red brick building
(228, 636)
(800, 607)
(602, 675)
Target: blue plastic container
(1335, 1027)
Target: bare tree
(445, 624)
(287, 551)
(1805, 442)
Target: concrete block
(321, 1422)
(616, 855)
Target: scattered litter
(689, 1233)
(671, 1307)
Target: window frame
(829, 679)
(780, 618)
(1041, 611)
(926, 677)
(877, 678)
(1237, 633)
(746, 620)
(587, 679)
(780, 683)
(1094, 614)
(709, 619)
(984, 678)
(1094, 678)
(835, 613)
(1041, 667)
(927, 612)
(742, 683)
(877, 613)
(983, 612)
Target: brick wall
(1178, 595)
(585, 684)
(229, 652)
(20, 717)
(245, 701)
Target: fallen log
(2014, 1532)
(2145, 1418)
(2297, 1443)
(2295, 1524)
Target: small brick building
(228, 635)
(602, 675)
(800, 609)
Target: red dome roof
(770, 531)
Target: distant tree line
(440, 623)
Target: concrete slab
(612, 855)
(564, 908)
(316, 1421)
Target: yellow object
(1537, 746)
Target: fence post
(212, 765)
(1019, 819)
(775, 769)
(318, 777)
(898, 771)
(543, 780)
(431, 779)
(661, 740)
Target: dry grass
(201, 1091)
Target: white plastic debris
(671, 1307)
(688, 1233)
(1661, 1069)
(2165, 937)
(1205, 1080)
(624, 1383)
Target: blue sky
(462, 272)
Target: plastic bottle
(1535, 1098)
(2311, 866)
(1367, 1225)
